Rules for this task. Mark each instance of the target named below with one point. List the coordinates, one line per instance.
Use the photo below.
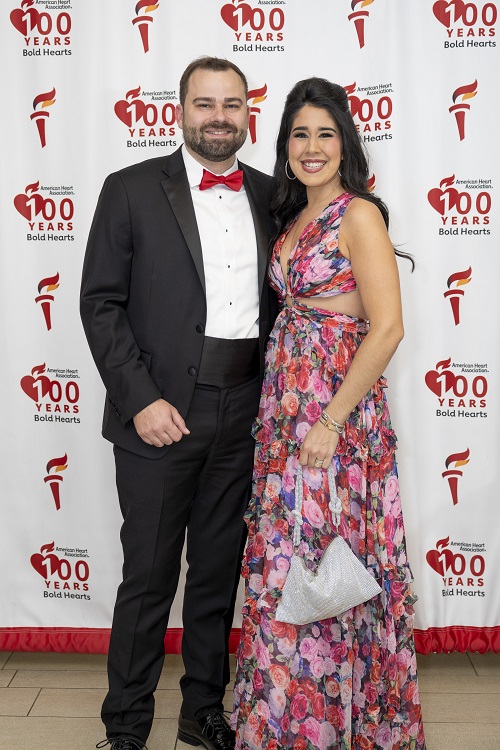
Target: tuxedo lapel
(178, 192)
(261, 222)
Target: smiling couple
(177, 309)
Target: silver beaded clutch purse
(339, 582)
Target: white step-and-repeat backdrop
(89, 86)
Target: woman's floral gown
(348, 683)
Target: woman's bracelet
(328, 422)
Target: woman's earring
(338, 170)
(287, 164)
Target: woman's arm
(365, 241)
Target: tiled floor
(52, 701)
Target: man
(177, 310)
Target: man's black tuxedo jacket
(143, 301)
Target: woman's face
(315, 148)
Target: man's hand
(160, 424)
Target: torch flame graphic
(447, 182)
(27, 4)
(370, 185)
(454, 295)
(460, 278)
(443, 364)
(255, 96)
(453, 475)
(143, 21)
(51, 284)
(133, 93)
(38, 369)
(466, 92)
(39, 115)
(443, 542)
(32, 188)
(54, 481)
(46, 100)
(145, 5)
(258, 95)
(459, 459)
(59, 464)
(350, 88)
(359, 17)
(459, 110)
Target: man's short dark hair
(216, 64)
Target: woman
(347, 682)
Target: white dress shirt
(229, 247)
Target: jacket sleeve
(103, 304)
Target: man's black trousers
(201, 486)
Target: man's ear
(179, 115)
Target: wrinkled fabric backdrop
(90, 87)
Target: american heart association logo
(441, 558)
(123, 107)
(29, 383)
(436, 196)
(45, 565)
(436, 380)
(442, 11)
(19, 19)
(229, 14)
(122, 111)
(29, 205)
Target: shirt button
(200, 328)
(192, 371)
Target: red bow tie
(233, 180)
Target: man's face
(214, 118)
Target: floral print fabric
(315, 266)
(347, 683)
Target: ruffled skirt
(348, 683)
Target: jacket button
(200, 328)
(192, 371)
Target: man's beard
(215, 149)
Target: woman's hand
(319, 445)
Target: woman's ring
(318, 463)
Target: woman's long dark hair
(289, 196)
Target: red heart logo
(28, 386)
(432, 382)
(435, 198)
(442, 11)
(21, 204)
(247, 14)
(18, 20)
(433, 558)
(122, 111)
(228, 13)
(37, 560)
(432, 377)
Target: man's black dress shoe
(122, 743)
(211, 731)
